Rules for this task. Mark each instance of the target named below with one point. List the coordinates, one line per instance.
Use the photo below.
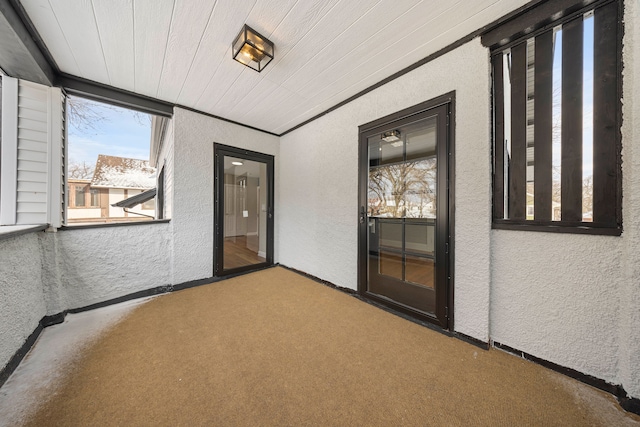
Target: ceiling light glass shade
(252, 49)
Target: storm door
(243, 210)
(404, 214)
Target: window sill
(113, 224)
(9, 231)
(571, 229)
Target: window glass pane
(95, 197)
(245, 212)
(556, 202)
(391, 234)
(391, 265)
(420, 270)
(80, 195)
(108, 148)
(420, 238)
(587, 121)
(422, 143)
(530, 126)
(149, 204)
(506, 144)
(386, 190)
(420, 190)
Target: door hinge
(446, 247)
(446, 312)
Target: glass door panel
(243, 210)
(245, 240)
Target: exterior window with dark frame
(557, 116)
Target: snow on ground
(54, 353)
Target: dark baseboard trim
(15, 360)
(319, 280)
(58, 318)
(630, 404)
(471, 340)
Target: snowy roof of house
(121, 172)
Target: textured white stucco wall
(319, 180)
(574, 300)
(194, 136)
(86, 266)
(22, 302)
(629, 330)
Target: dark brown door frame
(445, 225)
(220, 151)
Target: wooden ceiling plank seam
(197, 52)
(80, 30)
(166, 46)
(151, 28)
(229, 72)
(104, 58)
(357, 34)
(258, 95)
(233, 17)
(258, 19)
(357, 72)
(46, 23)
(311, 42)
(412, 55)
(381, 39)
(115, 23)
(186, 33)
(264, 116)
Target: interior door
(243, 210)
(404, 214)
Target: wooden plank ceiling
(180, 50)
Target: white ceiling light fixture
(237, 163)
(252, 49)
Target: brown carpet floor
(275, 348)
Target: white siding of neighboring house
(117, 195)
(83, 213)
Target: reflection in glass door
(404, 219)
(244, 216)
